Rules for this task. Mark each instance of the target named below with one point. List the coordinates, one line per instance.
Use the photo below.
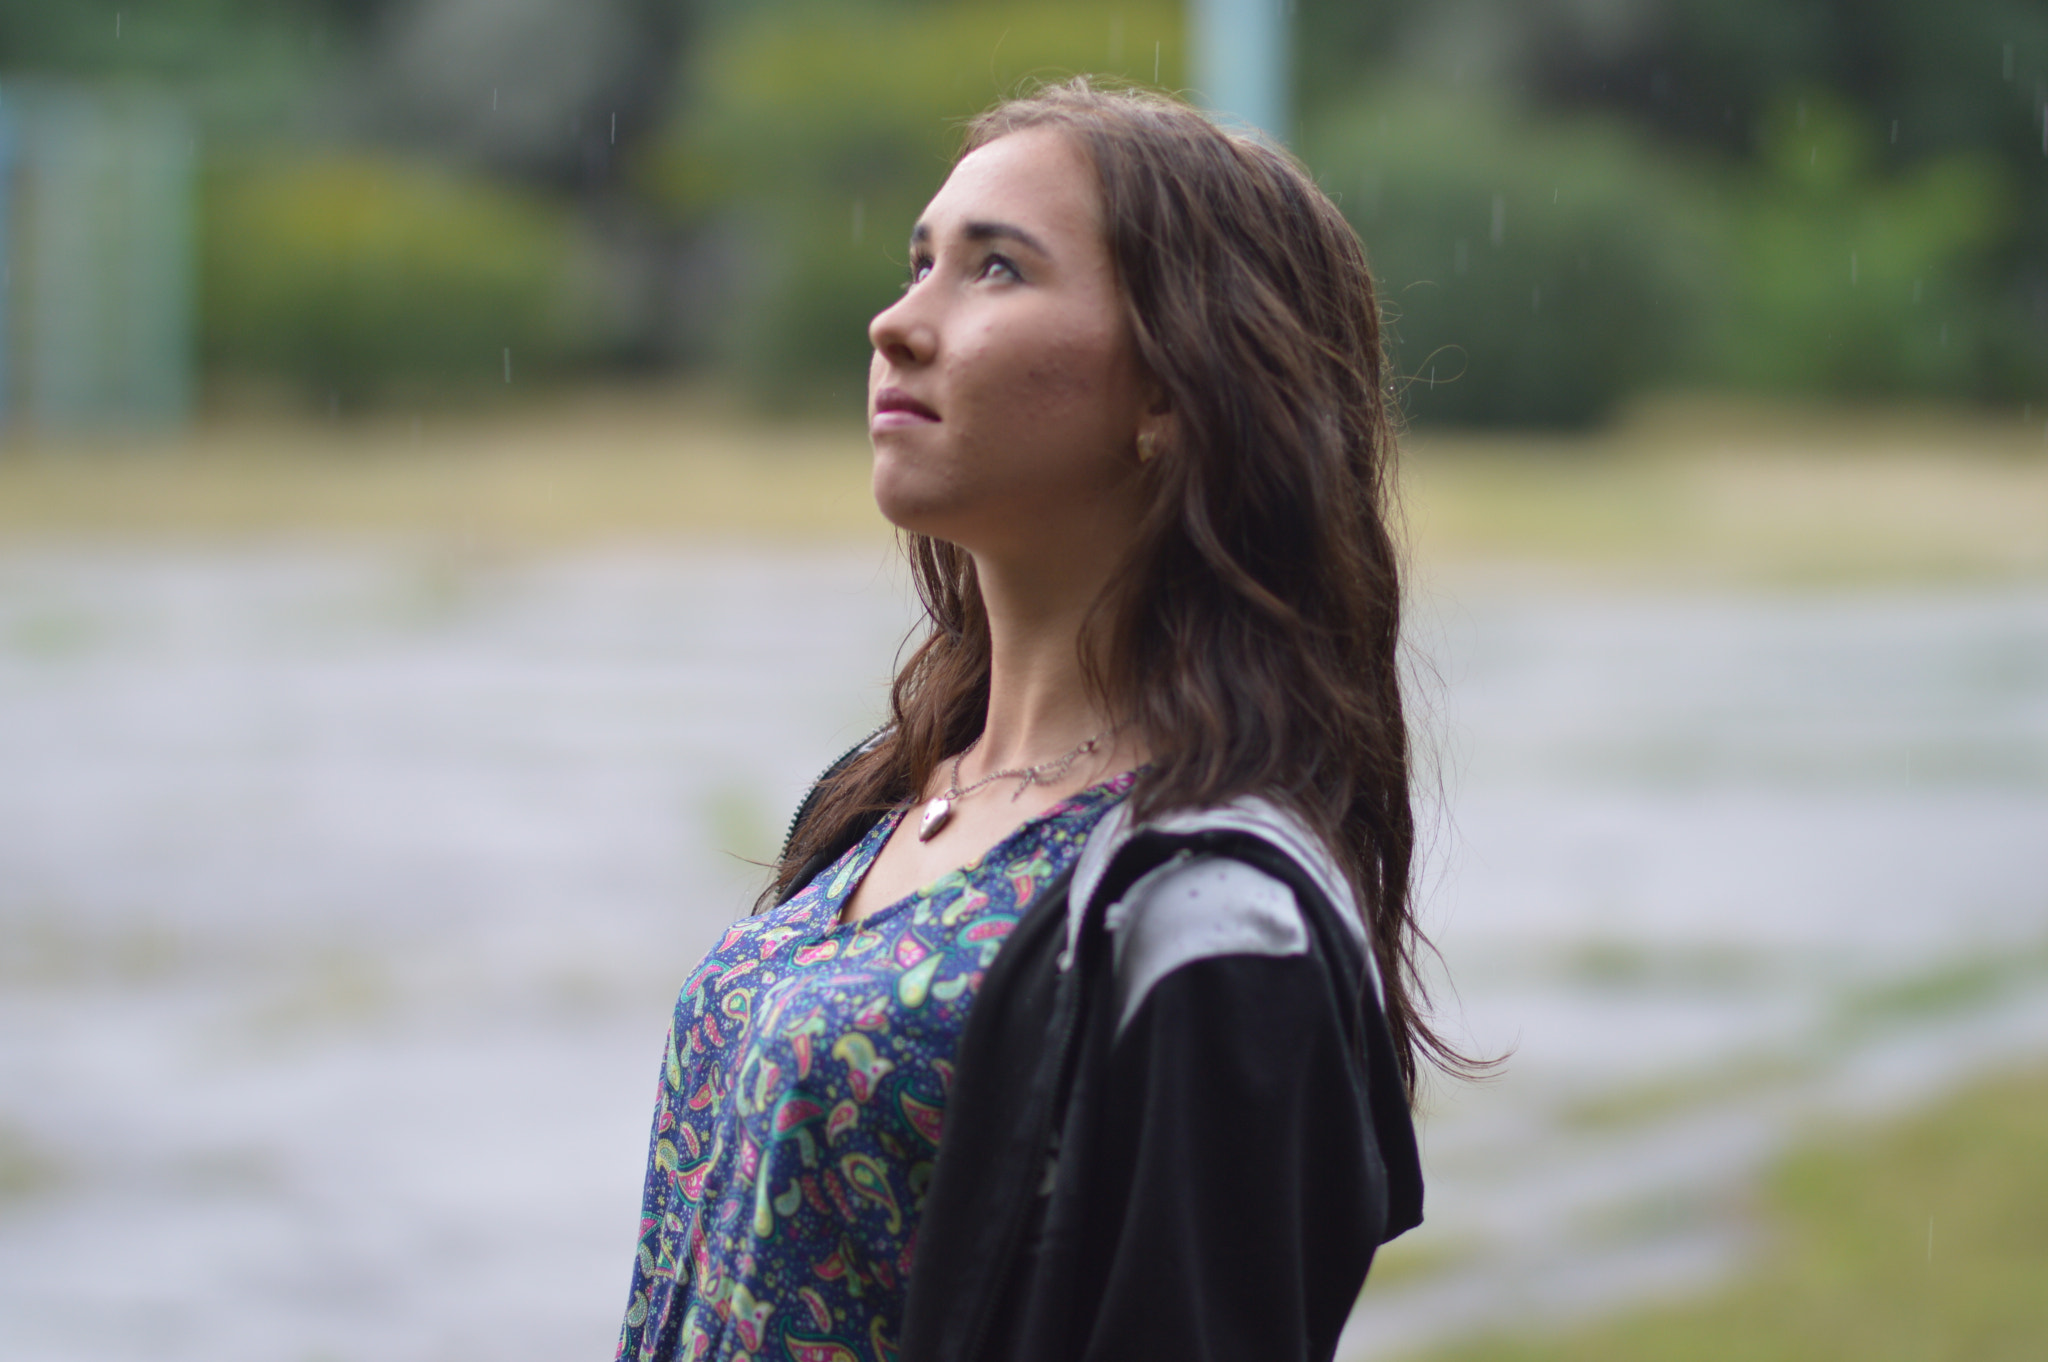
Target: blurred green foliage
(1540, 273)
(1852, 280)
(1566, 202)
(1923, 1242)
(355, 275)
(1527, 275)
(825, 127)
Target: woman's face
(1005, 396)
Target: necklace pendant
(937, 814)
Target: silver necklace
(938, 811)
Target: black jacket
(1195, 1165)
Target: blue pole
(1241, 62)
(6, 260)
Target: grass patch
(1702, 489)
(591, 467)
(26, 1169)
(1949, 988)
(1925, 1241)
(1660, 1100)
(1719, 489)
(1417, 1257)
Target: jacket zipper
(810, 799)
(1064, 1037)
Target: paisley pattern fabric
(802, 1094)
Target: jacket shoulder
(1127, 864)
(1198, 906)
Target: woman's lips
(896, 408)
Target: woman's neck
(1039, 708)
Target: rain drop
(860, 219)
(1852, 269)
(1536, 299)
(494, 99)
(1916, 290)
(1500, 220)
(508, 364)
(1802, 113)
(117, 32)
(1944, 335)
(1895, 132)
(615, 127)
(1155, 63)
(1461, 257)
(2008, 61)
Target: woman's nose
(901, 334)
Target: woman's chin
(911, 503)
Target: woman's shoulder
(1246, 879)
(1206, 906)
(1124, 854)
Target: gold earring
(1147, 447)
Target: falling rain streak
(860, 220)
(508, 364)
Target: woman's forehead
(1036, 179)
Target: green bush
(1530, 274)
(1923, 1241)
(1848, 282)
(827, 127)
(353, 274)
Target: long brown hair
(1252, 634)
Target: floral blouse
(802, 1093)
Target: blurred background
(435, 553)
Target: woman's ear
(1156, 428)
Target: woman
(1080, 1019)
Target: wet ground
(343, 894)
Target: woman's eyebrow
(921, 234)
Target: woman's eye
(918, 270)
(997, 267)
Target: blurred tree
(1850, 280)
(546, 90)
(1527, 274)
(822, 128)
(1950, 104)
(245, 67)
(357, 276)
